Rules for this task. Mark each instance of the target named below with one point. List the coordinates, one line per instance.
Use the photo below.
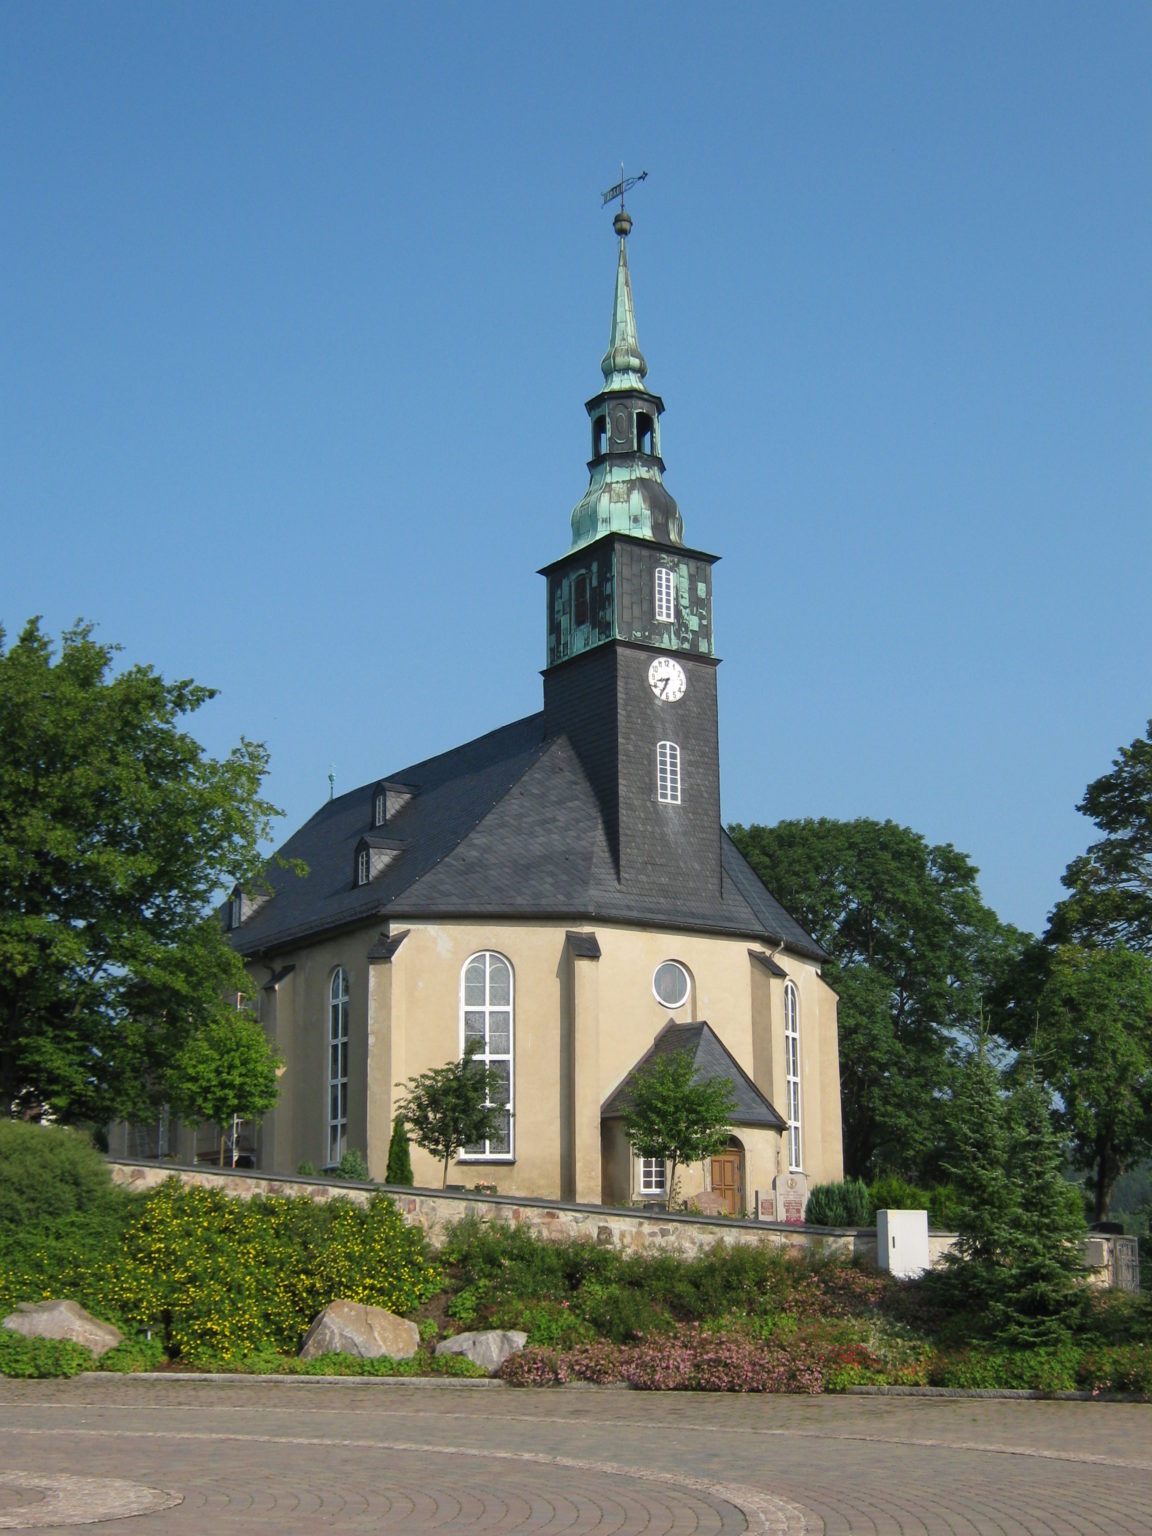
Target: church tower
(631, 665)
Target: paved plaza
(162, 1455)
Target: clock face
(666, 679)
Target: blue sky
(302, 304)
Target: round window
(671, 984)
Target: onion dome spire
(623, 364)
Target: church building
(560, 891)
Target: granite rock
(64, 1320)
(490, 1348)
(351, 1328)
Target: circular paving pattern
(30, 1499)
(422, 1488)
(306, 1458)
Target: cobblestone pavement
(301, 1456)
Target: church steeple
(626, 492)
(630, 677)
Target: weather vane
(622, 186)
(331, 780)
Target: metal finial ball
(622, 223)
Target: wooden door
(728, 1181)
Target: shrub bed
(215, 1280)
(202, 1281)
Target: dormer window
(665, 586)
(363, 867)
(388, 799)
(236, 909)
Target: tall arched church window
(487, 1022)
(668, 773)
(665, 583)
(792, 1072)
(338, 1065)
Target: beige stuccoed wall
(295, 1015)
(581, 1024)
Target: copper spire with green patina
(626, 492)
(623, 364)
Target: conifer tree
(975, 1277)
(399, 1170)
(1045, 1269)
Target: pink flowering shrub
(1117, 1368)
(690, 1358)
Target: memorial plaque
(791, 1198)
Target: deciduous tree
(1095, 1049)
(913, 951)
(1110, 886)
(117, 831)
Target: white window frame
(339, 1001)
(652, 1176)
(664, 1003)
(488, 1011)
(792, 1075)
(668, 773)
(363, 867)
(665, 593)
(236, 909)
(380, 815)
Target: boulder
(351, 1328)
(63, 1320)
(489, 1349)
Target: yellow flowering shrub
(218, 1279)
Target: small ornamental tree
(227, 1068)
(448, 1108)
(674, 1116)
(399, 1170)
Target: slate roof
(712, 1060)
(506, 825)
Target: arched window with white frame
(792, 1072)
(487, 1014)
(668, 773)
(664, 589)
(338, 1001)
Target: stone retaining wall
(434, 1211)
(1111, 1261)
